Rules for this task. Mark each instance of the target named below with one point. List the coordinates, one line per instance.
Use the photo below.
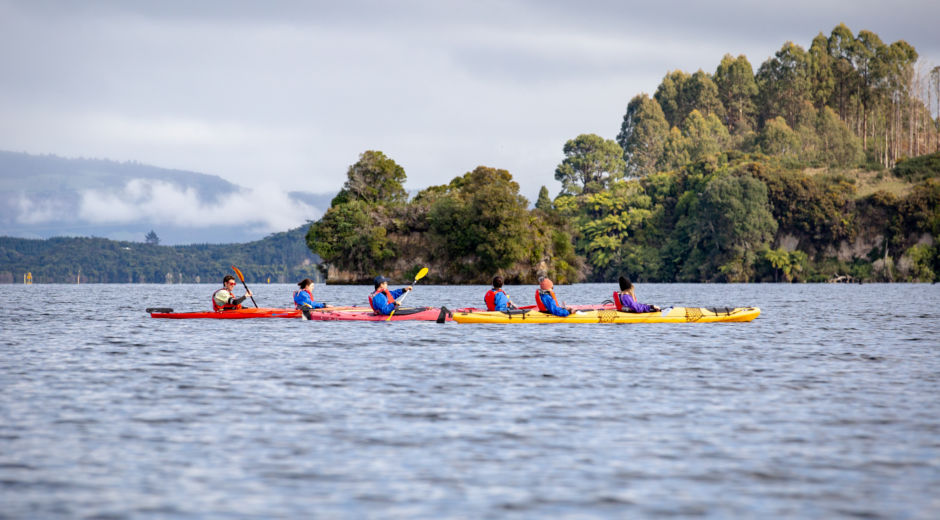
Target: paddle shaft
(252, 297)
(242, 278)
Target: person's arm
(634, 305)
(500, 301)
(552, 308)
(397, 293)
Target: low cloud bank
(264, 208)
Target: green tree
(737, 91)
(350, 237)
(701, 93)
(590, 163)
(374, 179)
(838, 146)
(669, 95)
(783, 84)
(704, 136)
(821, 77)
(675, 151)
(785, 262)
(482, 226)
(152, 238)
(841, 45)
(680, 93)
(777, 138)
(721, 231)
(544, 202)
(643, 136)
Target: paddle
(420, 275)
(242, 278)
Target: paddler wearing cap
(546, 301)
(382, 300)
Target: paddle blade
(241, 277)
(421, 273)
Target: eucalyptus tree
(737, 90)
(783, 82)
(643, 136)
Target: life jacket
(388, 296)
(490, 299)
(308, 291)
(538, 299)
(617, 301)
(226, 307)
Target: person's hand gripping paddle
(420, 275)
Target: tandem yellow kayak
(670, 315)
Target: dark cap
(379, 280)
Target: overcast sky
(285, 95)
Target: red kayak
(367, 314)
(236, 314)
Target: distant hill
(44, 196)
(278, 258)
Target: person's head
(305, 283)
(379, 280)
(497, 282)
(228, 282)
(625, 285)
(545, 284)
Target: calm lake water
(826, 406)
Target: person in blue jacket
(382, 300)
(303, 297)
(546, 301)
(496, 298)
(628, 301)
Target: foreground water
(825, 406)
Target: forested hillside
(278, 258)
(822, 164)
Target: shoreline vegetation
(823, 165)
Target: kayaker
(626, 299)
(224, 299)
(496, 299)
(382, 300)
(546, 301)
(303, 298)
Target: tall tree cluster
(849, 100)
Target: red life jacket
(388, 296)
(538, 299)
(490, 299)
(617, 301)
(227, 306)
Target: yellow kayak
(670, 315)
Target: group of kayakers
(384, 301)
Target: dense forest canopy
(822, 162)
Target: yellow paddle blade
(421, 273)
(239, 273)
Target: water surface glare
(826, 406)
